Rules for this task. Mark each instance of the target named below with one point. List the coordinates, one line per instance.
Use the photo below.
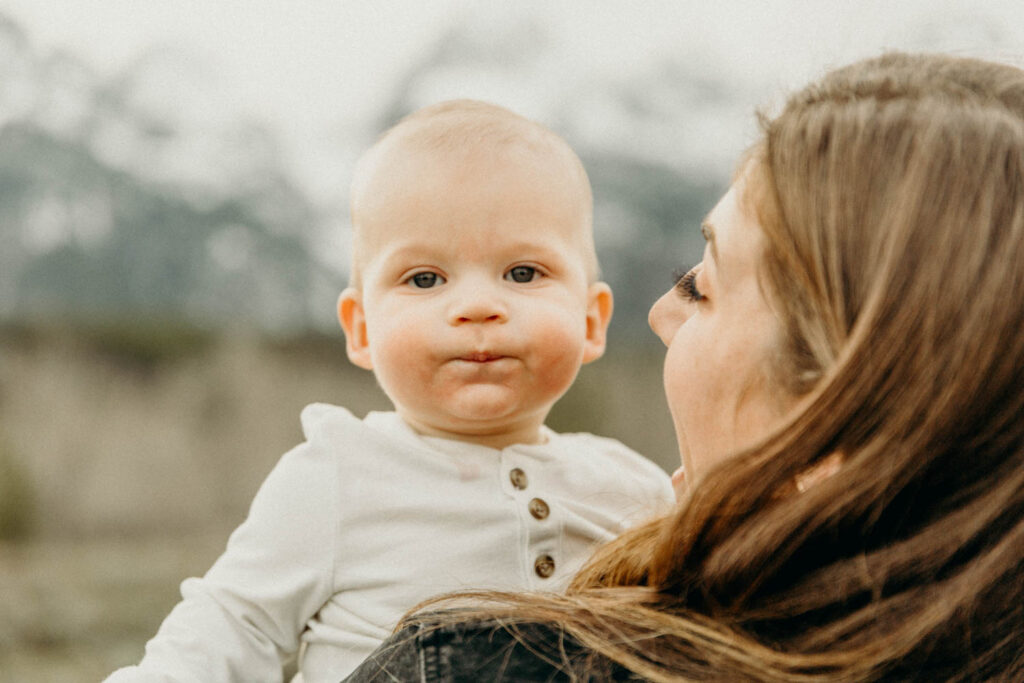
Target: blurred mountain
(141, 196)
(148, 194)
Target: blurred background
(173, 236)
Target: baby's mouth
(481, 357)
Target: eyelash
(535, 274)
(438, 279)
(686, 285)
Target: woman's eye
(686, 285)
(425, 280)
(522, 274)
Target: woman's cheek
(679, 378)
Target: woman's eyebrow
(708, 231)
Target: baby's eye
(426, 280)
(522, 274)
(686, 285)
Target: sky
(312, 69)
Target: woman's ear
(599, 314)
(353, 322)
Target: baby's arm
(243, 619)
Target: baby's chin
(490, 414)
(485, 402)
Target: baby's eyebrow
(401, 255)
(414, 252)
(534, 248)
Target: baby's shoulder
(329, 426)
(322, 421)
(609, 454)
(335, 434)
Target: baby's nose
(477, 305)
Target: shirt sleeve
(243, 619)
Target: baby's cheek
(560, 346)
(561, 324)
(398, 353)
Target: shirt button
(518, 478)
(539, 509)
(544, 566)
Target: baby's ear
(353, 321)
(599, 314)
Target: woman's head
(885, 218)
(880, 218)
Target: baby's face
(475, 294)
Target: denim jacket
(484, 651)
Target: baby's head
(474, 294)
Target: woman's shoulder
(490, 650)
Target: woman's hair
(891, 194)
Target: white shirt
(367, 518)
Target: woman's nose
(666, 315)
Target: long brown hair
(892, 197)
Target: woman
(846, 375)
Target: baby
(474, 299)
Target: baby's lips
(481, 356)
